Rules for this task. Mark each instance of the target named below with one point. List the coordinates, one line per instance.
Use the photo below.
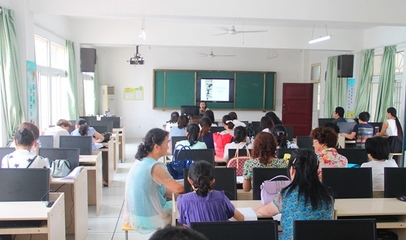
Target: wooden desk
(108, 162)
(94, 178)
(121, 140)
(76, 211)
(53, 226)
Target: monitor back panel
(106, 126)
(216, 129)
(71, 154)
(176, 139)
(282, 151)
(241, 152)
(4, 151)
(346, 127)
(24, 184)
(349, 182)
(196, 155)
(47, 141)
(115, 120)
(258, 230)
(304, 142)
(323, 121)
(83, 143)
(357, 156)
(256, 126)
(395, 182)
(289, 131)
(262, 174)
(89, 119)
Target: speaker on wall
(345, 66)
(87, 59)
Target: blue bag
(176, 166)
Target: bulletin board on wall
(252, 90)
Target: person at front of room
(145, 206)
(82, 129)
(203, 107)
(305, 198)
(361, 131)
(393, 129)
(339, 115)
(22, 157)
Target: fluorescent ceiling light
(142, 34)
(320, 39)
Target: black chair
(115, 120)
(282, 151)
(241, 152)
(323, 121)
(196, 155)
(225, 180)
(354, 155)
(262, 174)
(47, 141)
(304, 142)
(83, 143)
(258, 230)
(70, 154)
(4, 151)
(289, 131)
(349, 182)
(176, 139)
(395, 182)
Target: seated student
(210, 115)
(205, 134)
(228, 125)
(82, 129)
(339, 115)
(35, 131)
(192, 133)
(334, 126)
(180, 129)
(204, 204)
(203, 107)
(61, 129)
(324, 143)
(361, 131)
(239, 140)
(22, 157)
(265, 124)
(263, 156)
(377, 149)
(236, 122)
(306, 198)
(281, 134)
(172, 122)
(274, 118)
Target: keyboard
(20, 224)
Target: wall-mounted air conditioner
(107, 102)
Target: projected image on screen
(214, 90)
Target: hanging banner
(350, 98)
(32, 92)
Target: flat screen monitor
(115, 120)
(24, 184)
(349, 182)
(282, 151)
(323, 121)
(225, 180)
(346, 127)
(196, 155)
(216, 129)
(70, 154)
(89, 118)
(348, 229)
(219, 90)
(395, 182)
(256, 126)
(189, 110)
(47, 141)
(241, 152)
(259, 175)
(376, 125)
(289, 131)
(83, 143)
(354, 155)
(102, 126)
(304, 142)
(258, 230)
(176, 139)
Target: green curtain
(72, 78)
(96, 93)
(336, 88)
(11, 79)
(363, 94)
(386, 83)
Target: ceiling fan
(233, 31)
(136, 59)
(212, 55)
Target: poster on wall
(32, 92)
(134, 93)
(350, 98)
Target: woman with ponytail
(204, 204)
(146, 208)
(393, 129)
(192, 133)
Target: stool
(127, 228)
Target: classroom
(192, 37)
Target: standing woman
(393, 129)
(146, 208)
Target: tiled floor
(107, 225)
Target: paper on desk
(249, 214)
(240, 179)
(277, 217)
(74, 173)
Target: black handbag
(175, 168)
(395, 145)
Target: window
(90, 98)
(52, 82)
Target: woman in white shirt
(172, 122)
(393, 129)
(228, 125)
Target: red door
(297, 103)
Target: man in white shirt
(61, 129)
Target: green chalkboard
(252, 90)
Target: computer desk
(93, 164)
(53, 217)
(108, 161)
(76, 210)
(121, 141)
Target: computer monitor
(259, 175)
(282, 151)
(115, 120)
(348, 229)
(4, 151)
(258, 230)
(289, 131)
(346, 127)
(83, 143)
(189, 110)
(24, 184)
(349, 182)
(256, 126)
(241, 152)
(176, 139)
(102, 126)
(217, 129)
(323, 121)
(354, 155)
(195, 154)
(304, 142)
(47, 141)
(89, 118)
(395, 182)
(225, 180)
(70, 154)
